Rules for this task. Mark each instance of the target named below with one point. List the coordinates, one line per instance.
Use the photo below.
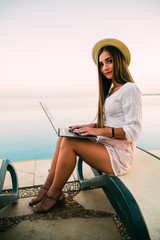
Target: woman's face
(106, 64)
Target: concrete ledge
(30, 173)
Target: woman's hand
(87, 131)
(90, 129)
(72, 128)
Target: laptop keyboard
(65, 131)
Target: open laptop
(62, 132)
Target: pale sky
(45, 45)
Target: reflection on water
(150, 135)
(26, 133)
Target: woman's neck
(116, 87)
(115, 84)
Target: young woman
(118, 126)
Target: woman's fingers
(88, 131)
(74, 127)
(83, 130)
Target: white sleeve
(131, 106)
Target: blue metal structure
(6, 199)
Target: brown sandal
(38, 208)
(35, 200)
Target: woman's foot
(42, 193)
(49, 202)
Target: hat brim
(111, 42)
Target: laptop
(62, 132)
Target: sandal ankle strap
(53, 198)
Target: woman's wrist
(106, 131)
(92, 125)
(115, 133)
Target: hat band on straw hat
(111, 42)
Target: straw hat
(111, 42)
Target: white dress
(122, 109)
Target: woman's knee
(59, 140)
(67, 142)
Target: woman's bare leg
(50, 177)
(51, 173)
(92, 153)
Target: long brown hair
(121, 76)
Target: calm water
(26, 133)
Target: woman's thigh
(93, 153)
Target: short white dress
(122, 109)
